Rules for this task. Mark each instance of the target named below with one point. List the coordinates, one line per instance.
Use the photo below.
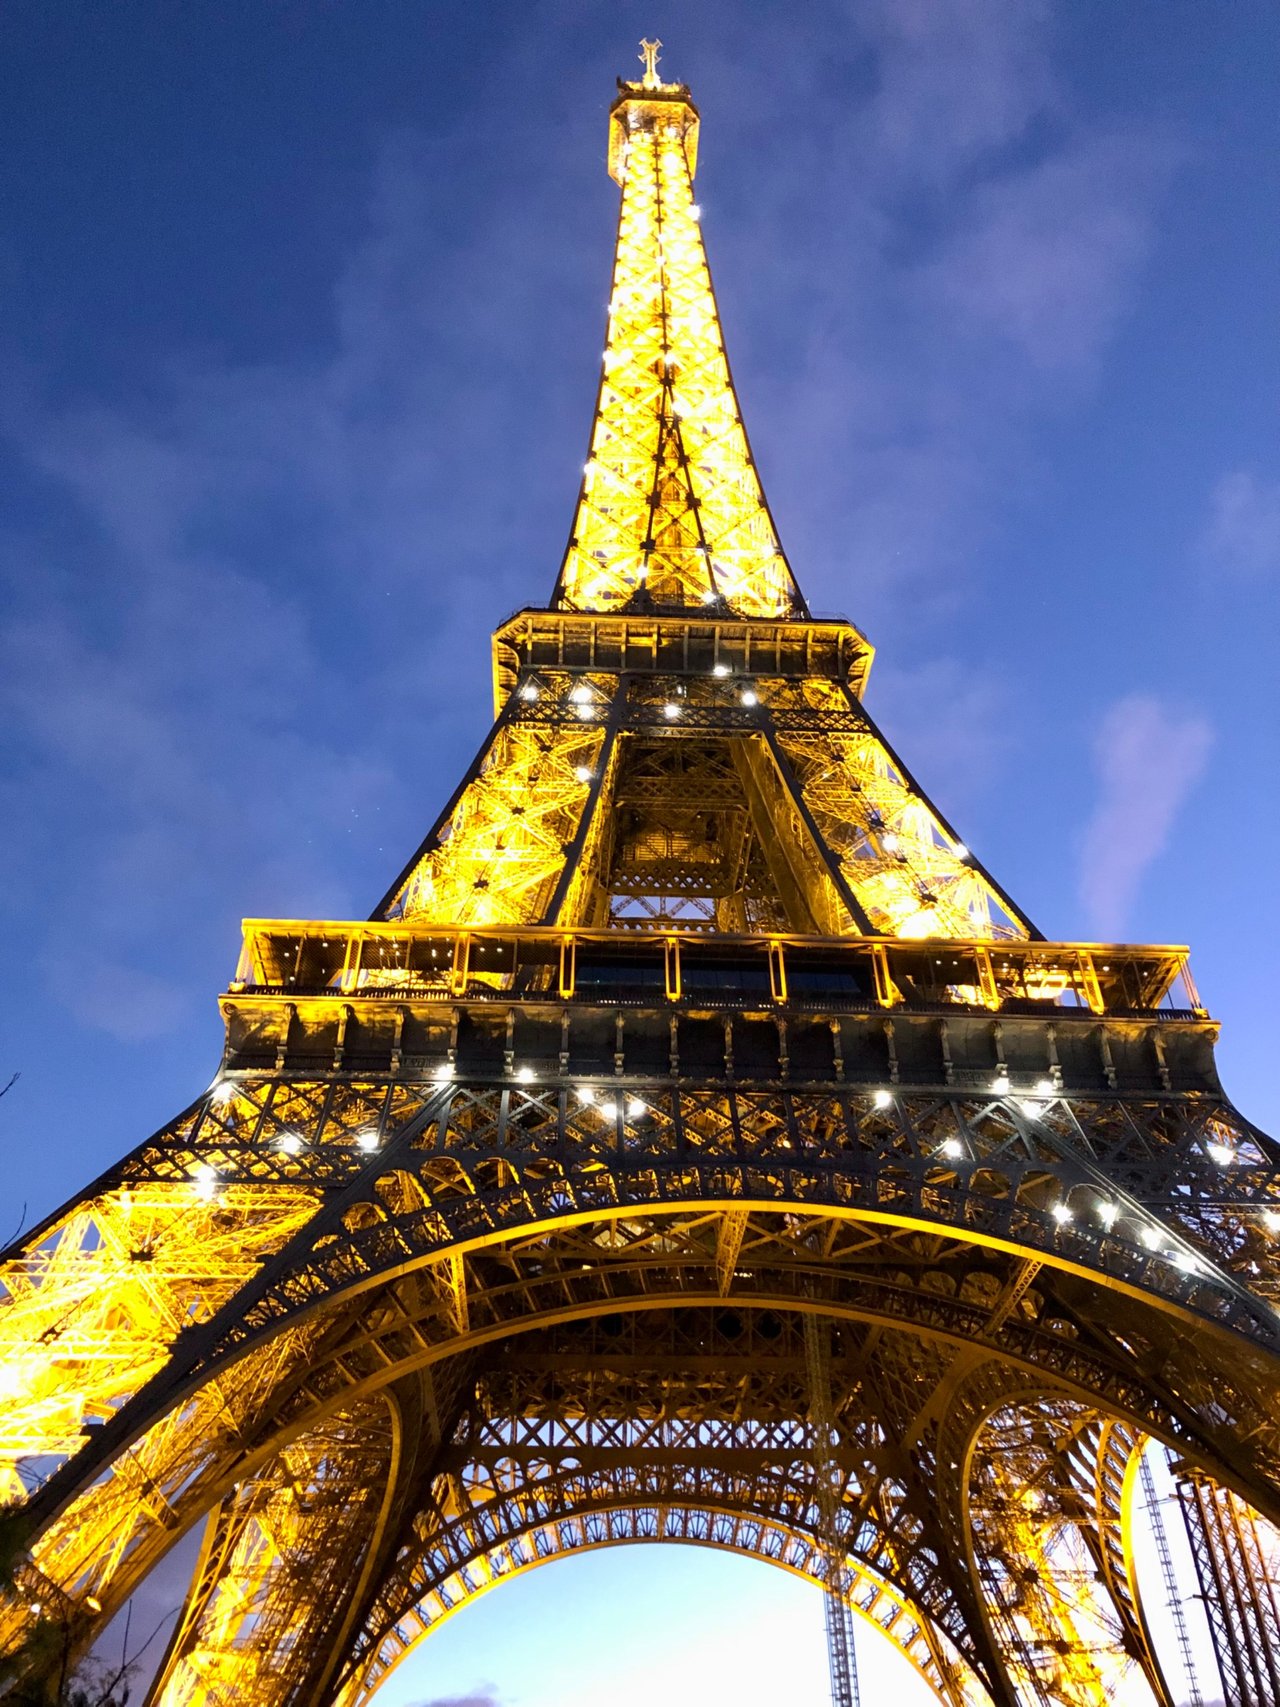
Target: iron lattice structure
(691, 1019)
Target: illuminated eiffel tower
(692, 1022)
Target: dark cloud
(965, 251)
(484, 1700)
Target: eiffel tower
(697, 1143)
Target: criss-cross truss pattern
(671, 510)
(639, 799)
(497, 856)
(830, 1498)
(692, 1021)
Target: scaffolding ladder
(1173, 1596)
(842, 1660)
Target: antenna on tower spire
(649, 53)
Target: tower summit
(671, 513)
(696, 1143)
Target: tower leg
(294, 1556)
(281, 1557)
(1235, 1555)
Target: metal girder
(497, 1165)
(547, 811)
(733, 1225)
(691, 1018)
(1105, 1465)
(554, 1455)
(670, 510)
(830, 1498)
(278, 1563)
(1237, 1560)
(294, 1557)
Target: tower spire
(671, 512)
(649, 54)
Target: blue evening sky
(303, 303)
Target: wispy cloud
(965, 250)
(950, 727)
(1149, 756)
(1044, 263)
(953, 80)
(1242, 535)
(214, 658)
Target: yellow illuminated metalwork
(671, 509)
(498, 855)
(912, 876)
(693, 1017)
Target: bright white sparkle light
(1061, 1214)
(1107, 1214)
(1271, 1220)
(891, 842)
(15, 1376)
(1000, 1084)
(584, 773)
(882, 1099)
(750, 697)
(222, 1092)
(368, 1139)
(953, 1147)
(529, 692)
(1152, 1238)
(609, 1110)
(524, 1075)
(444, 1071)
(581, 695)
(586, 1094)
(1222, 1154)
(1045, 1088)
(960, 851)
(291, 1143)
(671, 710)
(635, 1108)
(719, 669)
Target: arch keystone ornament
(697, 1143)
